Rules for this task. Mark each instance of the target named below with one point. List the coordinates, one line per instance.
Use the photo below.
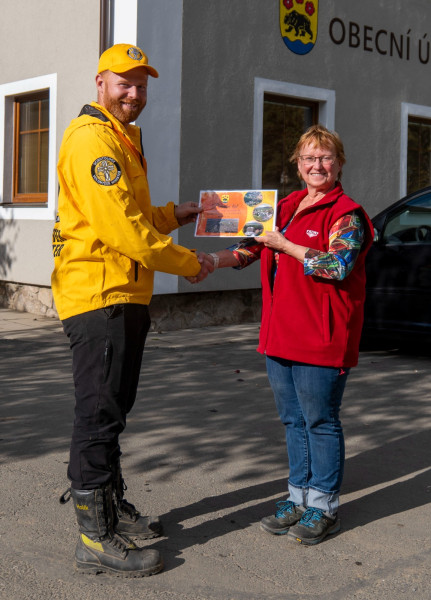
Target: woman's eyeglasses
(326, 161)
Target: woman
(313, 291)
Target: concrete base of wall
(27, 298)
(183, 311)
(169, 312)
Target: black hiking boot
(102, 550)
(128, 520)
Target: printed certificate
(236, 213)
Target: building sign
(298, 24)
(298, 27)
(404, 46)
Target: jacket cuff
(172, 220)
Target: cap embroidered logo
(134, 53)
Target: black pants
(107, 346)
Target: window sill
(23, 205)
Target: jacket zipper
(136, 271)
(269, 269)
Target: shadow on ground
(207, 403)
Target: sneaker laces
(283, 507)
(310, 516)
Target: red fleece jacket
(306, 318)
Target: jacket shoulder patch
(105, 170)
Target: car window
(411, 224)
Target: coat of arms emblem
(298, 24)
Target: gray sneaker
(288, 513)
(314, 526)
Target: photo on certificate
(236, 213)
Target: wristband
(216, 259)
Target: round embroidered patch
(105, 170)
(134, 53)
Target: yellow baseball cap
(124, 57)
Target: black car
(398, 265)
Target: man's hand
(207, 267)
(187, 212)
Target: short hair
(320, 137)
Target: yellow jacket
(108, 239)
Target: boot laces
(128, 509)
(121, 543)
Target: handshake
(208, 263)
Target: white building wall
(58, 42)
(160, 31)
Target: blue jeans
(308, 400)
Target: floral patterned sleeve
(345, 241)
(246, 251)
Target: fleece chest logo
(312, 233)
(105, 171)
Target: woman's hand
(274, 240)
(277, 242)
(207, 267)
(226, 258)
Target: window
(282, 112)
(418, 154)
(31, 146)
(411, 224)
(284, 121)
(415, 151)
(28, 133)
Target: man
(107, 242)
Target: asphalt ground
(204, 449)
